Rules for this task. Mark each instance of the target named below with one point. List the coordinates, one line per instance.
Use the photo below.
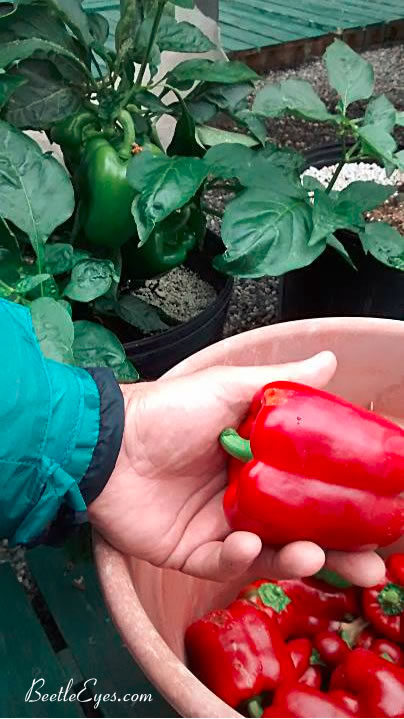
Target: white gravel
(353, 172)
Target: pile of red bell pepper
(314, 647)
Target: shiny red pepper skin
(383, 605)
(388, 650)
(300, 652)
(320, 599)
(309, 626)
(331, 648)
(273, 600)
(378, 684)
(345, 700)
(312, 677)
(238, 652)
(317, 468)
(297, 700)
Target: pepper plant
(127, 208)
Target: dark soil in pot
(155, 354)
(331, 288)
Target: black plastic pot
(152, 356)
(329, 287)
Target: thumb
(241, 383)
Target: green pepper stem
(129, 134)
(235, 445)
(254, 708)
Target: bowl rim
(192, 693)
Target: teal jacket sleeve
(60, 434)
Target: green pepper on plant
(167, 247)
(69, 134)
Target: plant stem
(153, 33)
(339, 168)
(97, 66)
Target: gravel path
(255, 302)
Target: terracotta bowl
(152, 607)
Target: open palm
(163, 502)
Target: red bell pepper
(291, 600)
(313, 677)
(378, 684)
(273, 600)
(238, 652)
(321, 470)
(309, 626)
(311, 596)
(331, 648)
(383, 605)
(300, 652)
(297, 700)
(388, 650)
(345, 700)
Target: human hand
(163, 501)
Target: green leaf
(90, 279)
(330, 215)
(95, 346)
(211, 136)
(140, 314)
(45, 99)
(333, 579)
(312, 183)
(71, 12)
(400, 119)
(184, 3)
(8, 85)
(272, 171)
(266, 235)
(385, 244)
(28, 179)
(348, 73)
(254, 123)
(333, 242)
(127, 373)
(176, 36)
(28, 283)
(294, 96)
(54, 329)
(10, 257)
(99, 27)
(284, 157)
(201, 110)
(151, 102)
(165, 184)
(228, 160)
(263, 174)
(365, 195)
(36, 21)
(17, 50)
(184, 140)
(231, 98)
(399, 160)
(210, 71)
(381, 112)
(378, 143)
(59, 258)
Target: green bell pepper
(105, 195)
(167, 247)
(68, 133)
